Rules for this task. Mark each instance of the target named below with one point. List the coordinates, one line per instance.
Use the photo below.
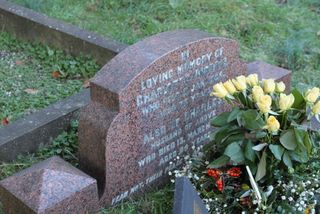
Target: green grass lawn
(26, 76)
(283, 34)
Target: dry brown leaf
(19, 62)
(56, 74)
(5, 121)
(31, 91)
(86, 84)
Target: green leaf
(261, 134)
(276, 150)
(294, 115)
(300, 135)
(307, 142)
(287, 160)
(242, 98)
(259, 147)
(220, 120)
(299, 102)
(253, 166)
(249, 152)
(299, 156)
(208, 146)
(233, 115)
(219, 162)
(261, 172)
(235, 153)
(288, 140)
(224, 132)
(232, 138)
(303, 140)
(50, 52)
(252, 120)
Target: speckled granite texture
(151, 104)
(52, 186)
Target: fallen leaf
(56, 74)
(86, 84)
(5, 121)
(19, 62)
(313, 8)
(31, 91)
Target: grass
(160, 201)
(286, 34)
(27, 81)
(66, 146)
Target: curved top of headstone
(138, 56)
(129, 64)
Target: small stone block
(186, 198)
(52, 186)
(267, 71)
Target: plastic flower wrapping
(263, 154)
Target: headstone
(52, 186)
(186, 198)
(268, 71)
(149, 106)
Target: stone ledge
(32, 26)
(27, 134)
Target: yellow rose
(264, 103)
(285, 101)
(269, 85)
(316, 108)
(230, 87)
(312, 95)
(219, 90)
(257, 92)
(280, 87)
(252, 79)
(240, 83)
(273, 124)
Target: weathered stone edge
(27, 134)
(32, 26)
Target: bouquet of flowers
(259, 150)
(266, 127)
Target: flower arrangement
(257, 159)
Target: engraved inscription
(162, 96)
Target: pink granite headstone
(151, 104)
